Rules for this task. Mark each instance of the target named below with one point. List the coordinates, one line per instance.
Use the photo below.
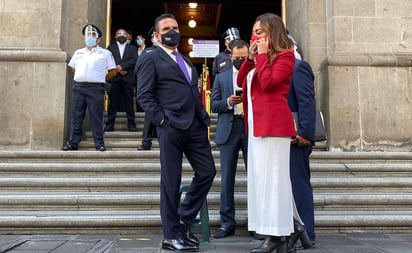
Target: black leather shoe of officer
(101, 148)
(223, 232)
(188, 236)
(178, 245)
(70, 147)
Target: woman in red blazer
(265, 79)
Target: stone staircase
(117, 191)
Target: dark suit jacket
(301, 98)
(164, 93)
(127, 62)
(222, 89)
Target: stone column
(36, 40)
(33, 75)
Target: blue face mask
(156, 43)
(139, 42)
(90, 41)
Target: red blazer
(269, 93)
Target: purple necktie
(182, 65)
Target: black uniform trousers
(91, 97)
(194, 143)
(121, 89)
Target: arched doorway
(212, 17)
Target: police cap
(231, 34)
(94, 29)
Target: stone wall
(32, 72)
(361, 53)
(36, 40)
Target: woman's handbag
(320, 130)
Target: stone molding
(30, 55)
(397, 60)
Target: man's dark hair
(238, 44)
(161, 17)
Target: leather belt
(89, 84)
(238, 117)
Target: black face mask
(237, 63)
(122, 39)
(171, 38)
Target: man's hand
(234, 100)
(302, 142)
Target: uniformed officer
(223, 60)
(91, 66)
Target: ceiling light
(191, 54)
(193, 5)
(192, 23)
(190, 41)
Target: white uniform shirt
(92, 66)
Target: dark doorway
(212, 17)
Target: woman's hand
(263, 45)
(253, 49)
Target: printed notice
(205, 48)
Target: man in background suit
(301, 99)
(168, 93)
(125, 56)
(230, 134)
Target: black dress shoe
(188, 236)
(108, 129)
(70, 147)
(223, 232)
(144, 147)
(132, 129)
(178, 245)
(102, 148)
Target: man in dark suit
(168, 93)
(230, 134)
(149, 129)
(301, 99)
(125, 56)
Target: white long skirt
(270, 199)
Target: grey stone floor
(326, 243)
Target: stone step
(336, 158)
(149, 183)
(151, 166)
(128, 201)
(140, 222)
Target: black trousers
(149, 132)
(121, 89)
(194, 144)
(92, 98)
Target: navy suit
(231, 138)
(122, 85)
(175, 107)
(301, 99)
